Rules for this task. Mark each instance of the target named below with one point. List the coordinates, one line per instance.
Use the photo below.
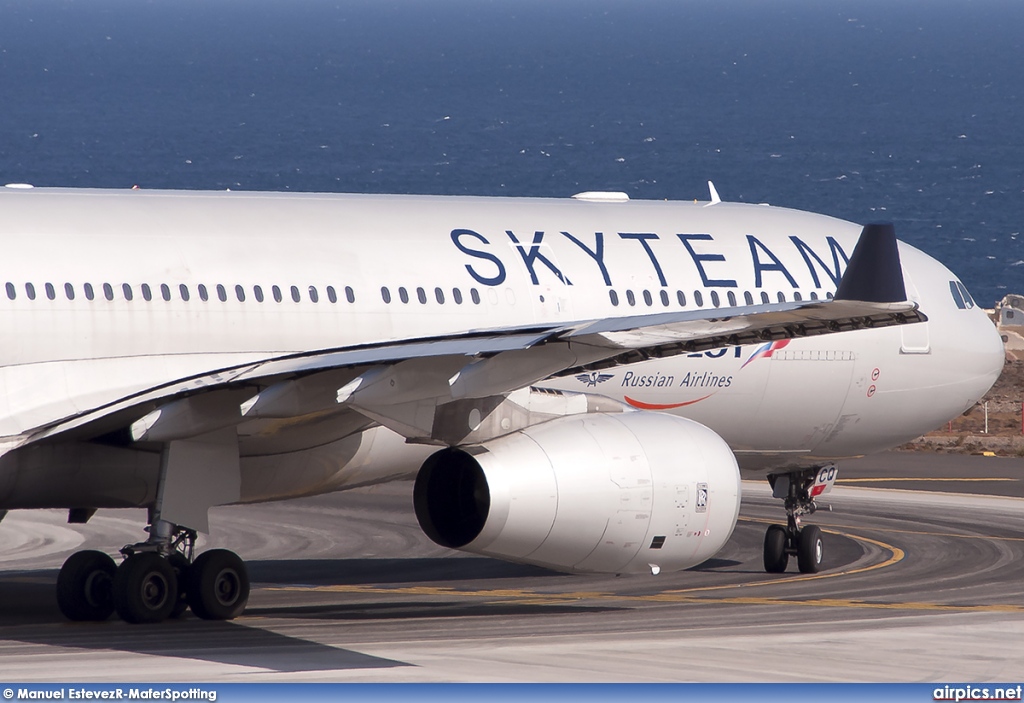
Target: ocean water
(902, 110)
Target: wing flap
(594, 345)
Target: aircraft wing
(404, 384)
(667, 335)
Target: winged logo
(593, 378)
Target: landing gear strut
(798, 489)
(157, 580)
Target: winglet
(714, 194)
(874, 274)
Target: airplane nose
(986, 354)
(967, 349)
(977, 357)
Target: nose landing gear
(798, 489)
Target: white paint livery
(178, 350)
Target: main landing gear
(157, 580)
(798, 489)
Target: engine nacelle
(600, 493)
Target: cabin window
(421, 295)
(203, 294)
(698, 299)
(630, 298)
(240, 294)
(127, 291)
(439, 296)
(222, 294)
(276, 291)
(457, 296)
(814, 296)
(647, 298)
(748, 298)
(664, 298)
(714, 298)
(385, 294)
(108, 291)
(331, 295)
(350, 295)
(69, 291)
(782, 297)
(313, 295)
(11, 292)
(295, 294)
(257, 292)
(732, 299)
(764, 298)
(89, 293)
(797, 296)
(147, 292)
(681, 297)
(957, 297)
(968, 300)
(183, 291)
(614, 297)
(50, 292)
(474, 295)
(30, 291)
(165, 292)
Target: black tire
(776, 559)
(145, 588)
(180, 563)
(85, 586)
(810, 550)
(218, 586)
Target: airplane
(574, 383)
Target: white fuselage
(107, 294)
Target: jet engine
(598, 493)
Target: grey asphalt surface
(924, 581)
(931, 471)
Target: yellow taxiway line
(689, 595)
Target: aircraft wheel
(85, 586)
(810, 550)
(145, 588)
(218, 587)
(181, 566)
(775, 557)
